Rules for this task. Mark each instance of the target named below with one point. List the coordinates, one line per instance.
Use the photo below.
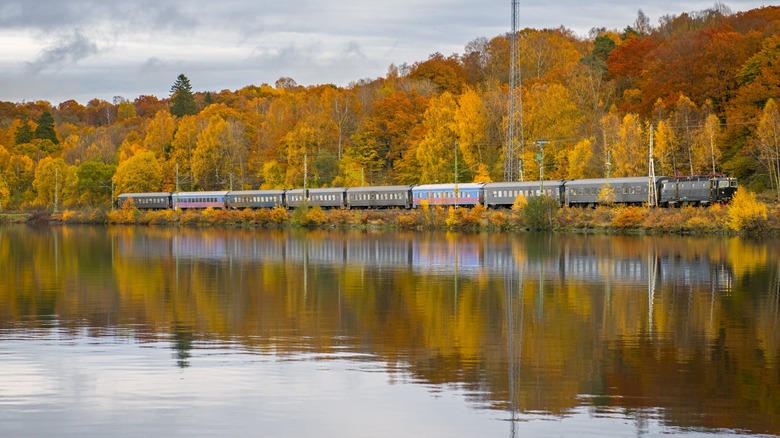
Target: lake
(163, 331)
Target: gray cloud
(68, 50)
(138, 47)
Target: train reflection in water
(593, 259)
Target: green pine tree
(24, 133)
(45, 129)
(182, 99)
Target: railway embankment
(745, 215)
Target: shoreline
(715, 220)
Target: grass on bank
(745, 215)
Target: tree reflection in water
(677, 330)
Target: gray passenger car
(146, 201)
(504, 194)
(255, 199)
(631, 190)
(380, 197)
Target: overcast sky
(57, 50)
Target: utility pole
(305, 179)
(540, 158)
(456, 175)
(652, 196)
(56, 188)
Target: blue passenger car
(202, 200)
(467, 194)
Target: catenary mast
(513, 156)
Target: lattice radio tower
(513, 155)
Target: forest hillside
(703, 86)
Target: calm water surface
(218, 332)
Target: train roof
(144, 195)
(448, 186)
(521, 184)
(378, 188)
(327, 189)
(621, 180)
(257, 192)
(222, 193)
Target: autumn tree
(767, 143)
(159, 133)
(5, 193)
(24, 133)
(139, 173)
(580, 161)
(549, 113)
(392, 128)
(446, 73)
(436, 150)
(182, 98)
(631, 148)
(685, 121)
(183, 147)
(665, 149)
(94, 183)
(709, 152)
(470, 125)
(220, 155)
(55, 180)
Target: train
(670, 192)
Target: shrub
(161, 217)
(406, 220)
(339, 217)
(628, 217)
(314, 216)
(498, 219)
(746, 214)
(475, 215)
(128, 214)
(279, 215)
(540, 212)
(454, 217)
(69, 216)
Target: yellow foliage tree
(631, 148)
(580, 161)
(436, 151)
(549, 112)
(5, 193)
(54, 179)
(768, 142)
(159, 133)
(470, 125)
(210, 164)
(183, 145)
(746, 213)
(140, 173)
(664, 149)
